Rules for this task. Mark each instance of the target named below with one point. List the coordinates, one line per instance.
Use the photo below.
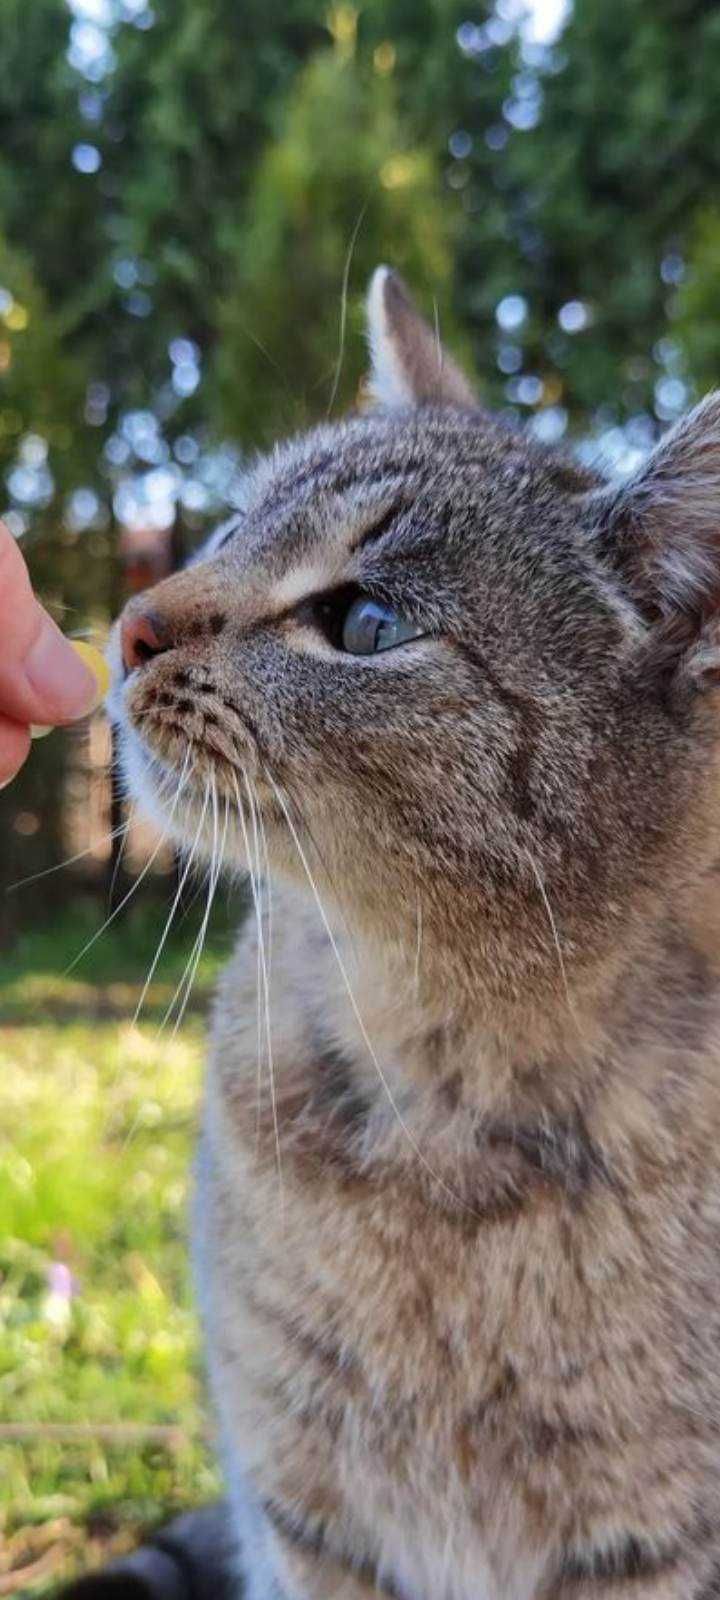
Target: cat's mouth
(188, 755)
(179, 709)
(192, 737)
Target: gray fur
(471, 1352)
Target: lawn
(103, 1427)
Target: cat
(458, 1191)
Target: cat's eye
(370, 626)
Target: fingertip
(63, 683)
(14, 749)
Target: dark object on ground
(192, 1558)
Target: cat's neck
(656, 993)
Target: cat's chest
(398, 1381)
(412, 1376)
(452, 1561)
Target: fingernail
(36, 732)
(59, 675)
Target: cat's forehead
(316, 495)
(366, 453)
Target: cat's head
(462, 681)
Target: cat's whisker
(136, 885)
(186, 968)
(253, 876)
(131, 816)
(445, 1187)
(307, 830)
(343, 305)
(35, 877)
(266, 945)
(218, 856)
(176, 901)
(555, 936)
(254, 883)
(120, 855)
(182, 992)
(135, 1122)
(255, 889)
(267, 879)
(438, 340)
(216, 864)
(418, 942)
(122, 903)
(270, 359)
(266, 867)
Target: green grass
(97, 1121)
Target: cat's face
(412, 658)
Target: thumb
(42, 680)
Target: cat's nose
(143, 635)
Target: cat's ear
(661, 531)
(409, 364)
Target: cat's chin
(157, 790)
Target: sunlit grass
(97, 1122)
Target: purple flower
(60, 1281)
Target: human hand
(42, 679)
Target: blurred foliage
(341, 186)
(697, 324)
(604, 197)
(198, 173)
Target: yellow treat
(95, 661)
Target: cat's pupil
(370, 626)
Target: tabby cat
(458, 1203)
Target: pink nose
(142, 636)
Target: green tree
(343, 187)
(601, 203)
